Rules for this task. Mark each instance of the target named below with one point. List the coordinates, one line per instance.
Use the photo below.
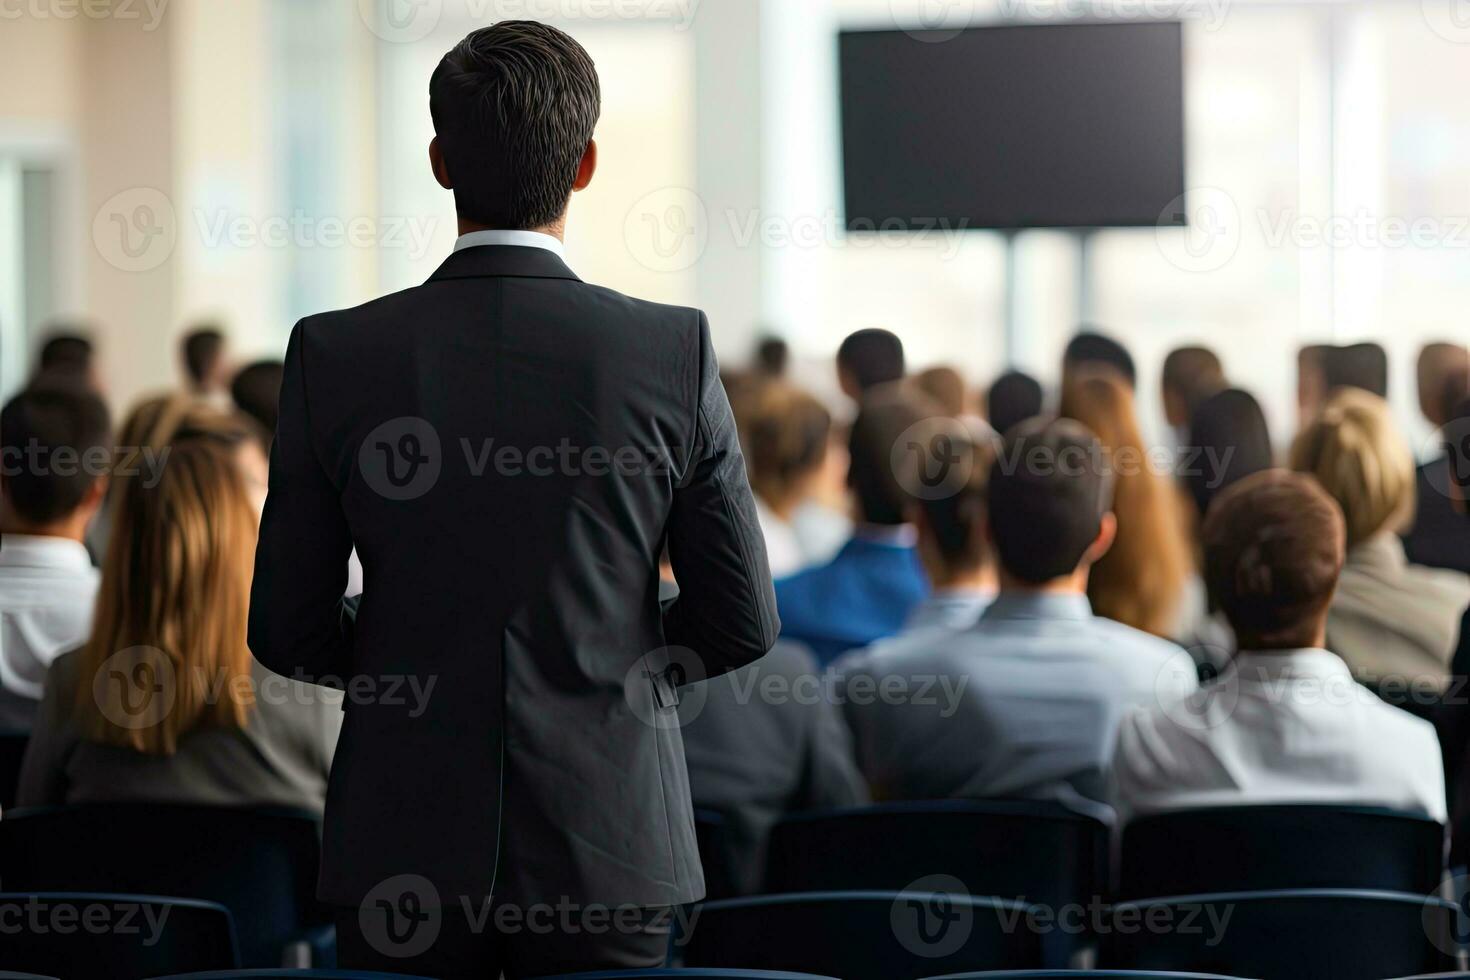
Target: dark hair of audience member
(1046, 494)
(65, 352)
(944, 386)
(772, 356)
(1140, 582)
(869, 358)
(785, 433)
(175, 589)
(256, 392)
(56, 440)
(1274, 545)
(1088, 351)
(202, 348)
(885, 414)
(1191, 374)
(1362, 366)
(1228, 441)
(514, 106)
(1441, 372)
(954, 522)
(1013, 398)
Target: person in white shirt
(55, 451)
(1286, 722)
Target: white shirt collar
(498, 236)
(43, 551)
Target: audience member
(1311, 382)
(68, 355)
(772, 357)
(872, 585)
(1088, 353)
(1287, 723)
(256, 392)
(785, 434)
(1191, 375)
(1439, 537)
(1393, 622)
(868, 358)
(1025, 702)
(1142, 579)
(1363, 366)
(945, 387)
(55, 449)
(206, 370)
(164, 702)
(1013, 398)
(1228, 440)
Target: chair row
(1049, 854)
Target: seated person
(874, 583)
(164, 701)
(868, 359)
(1286, 723)
(1395, 624)
(1013, 398)
(47, 500)
(1439, 537)
(1026, 702)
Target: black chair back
(74, 936)
(1261, 848)
(862, 935)
(1312, 934)
(259, 864)
(716, 854)
(289, 975)
(683, 974)
(1082, 975)
(12, 752)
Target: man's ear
(436, 161)
(1107, 531)
(95, 495)
(586, 168)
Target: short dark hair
(772, 354)
(65, 352)
(883, 416)
(1362, 366)
(1049, 489)
(202, 348)
(256, 392)
(514, 106)
(1227, 430)
(1089, 347)
(872, 357)
(1274, 546)
(1013, 398)
(957, 519)
(36, 427)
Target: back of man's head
(1362, 366)
(869, 358)
(55, 444)
(1191, 375)
(954, 514)
(772, 355)
(1049, 491)
(1274, 545)
(202, 348)
(885, 414)
(1089, 351)
(514, 106)
(256, 391)
(1440, 372)
(65, 352)
(1013, 398)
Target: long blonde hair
(167, 654)
(1140, 581)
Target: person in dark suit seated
(868, 359)
(163, 702)
(509, 448)
(1439, 537)
(869, 590)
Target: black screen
(1070, 125)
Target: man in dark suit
(509, 449)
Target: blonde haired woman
(164, 702)
(1395, 624)
(1141, 581)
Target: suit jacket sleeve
(725, 614)
(299, 624)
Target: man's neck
(71, 529)
(965, 580)
(556, 229)
(1072, 584)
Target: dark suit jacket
(509, 448)
(1440, 536)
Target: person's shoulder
(1133, 642)
(389, 306)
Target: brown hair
(1140, 581)
(1274, 545)
(784, 432)
(944, 386)
(171, 609)
(1193, 374)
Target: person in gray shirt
(1026, 702)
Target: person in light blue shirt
(1026, 701)
(870, 588)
